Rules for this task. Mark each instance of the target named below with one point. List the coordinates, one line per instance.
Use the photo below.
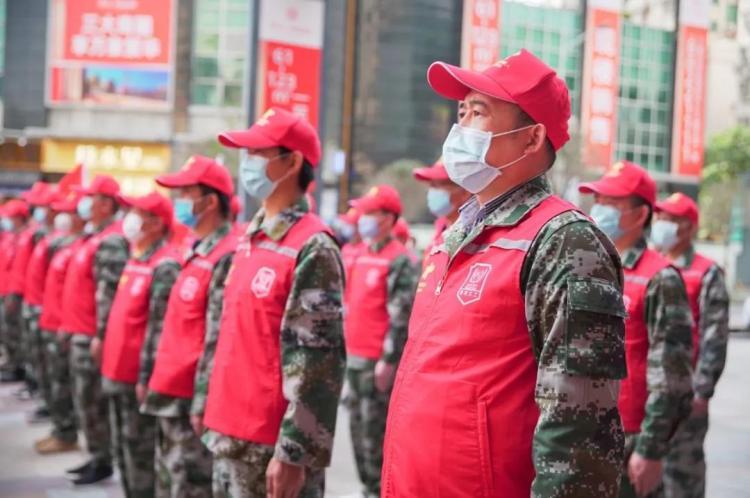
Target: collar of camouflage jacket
(632, 255)
(275, 228)
(204, 246)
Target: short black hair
(523, 119)
(306, 174)
(224, 200)
(640, 201)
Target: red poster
(601, 76)
(690, 101)
(291, 79)
(480, 37)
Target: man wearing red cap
(19, 235)
(177, 359)
(673, 232)
(444, 198)
(276, 381)
(508, 383)
(138, 306)
(378, 299)
(69, 225)
(655, 396)
(347, 234)
(91, 281)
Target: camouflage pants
(12, 331)
(35, 367)
(62, 412)
(685, 465)
(133, 444)
(246, 477)
(626, 489)
(183, 464)
(368, 409)
(90, 403)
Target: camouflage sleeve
(109, 261)
(714, 332)
(668, 376)
(575, 312)
(213, 319)
(312, 355)
(165, 275)
(402, 283)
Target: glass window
(219, 52)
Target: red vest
(79, 292)
(24, 247)
(366, 298)
(633, 389)
(184, 328)
(693, 277)
(349, 254)
(462, 414)
(54, 284)
(245, 399)
(128, 317)
(7, 253)
(37, 270)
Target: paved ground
(23, 474)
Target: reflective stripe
(202, 264)
(521, 245)
(138, 268)
(637, 279)
(279, 249)
(371, 260)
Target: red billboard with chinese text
(480, 34)
(110, 52)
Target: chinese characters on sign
(116, 37)
(480, 37)
(601, 81)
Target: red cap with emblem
(277, 128)
(623, 179)
(381, 197)
(680, 205)
(436, 172)
(68, 203)
(153, 203)
(101, 185)
(521, 79)
(40, 194)
(15, 207)
(200, 170)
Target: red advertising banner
(480, 34)
(110, 52)
(690, 89)
(290, 57)
(601, 74)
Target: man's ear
(536, 138)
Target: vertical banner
(290, 56)
(690, 88)
(480, 34)
(601, 75)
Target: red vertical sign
(690, 89)
(480, 34)
(601, 75)
(290, 56)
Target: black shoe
(93, 474)
(15, 375)
(81, 468)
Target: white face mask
(664, 235)
(64, 222)
(131, 227)
(464, 155)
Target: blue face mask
(439, 202)
(84, 208)
(346, 230)
(253, 175)
(368, 226)
(40, 214)
(664, 235)
(607, 218)
(183, 211)
(6, 224)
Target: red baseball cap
(68, 203)
(621, 180)
(401, 230)
(15, 207)
(235, 205)
(200, 170)
(521, 79)
(38, 194)
(153, 203)
(277, 128)
(101, 185)
(431, 173)
(680, 205)
(379, 197)
(350, 217)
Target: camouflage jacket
(669, 322)
(109, 261)
(577, 447)
(165, 273)
(312, 350)
(713, 327)
(401, 284)
(169, 406)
